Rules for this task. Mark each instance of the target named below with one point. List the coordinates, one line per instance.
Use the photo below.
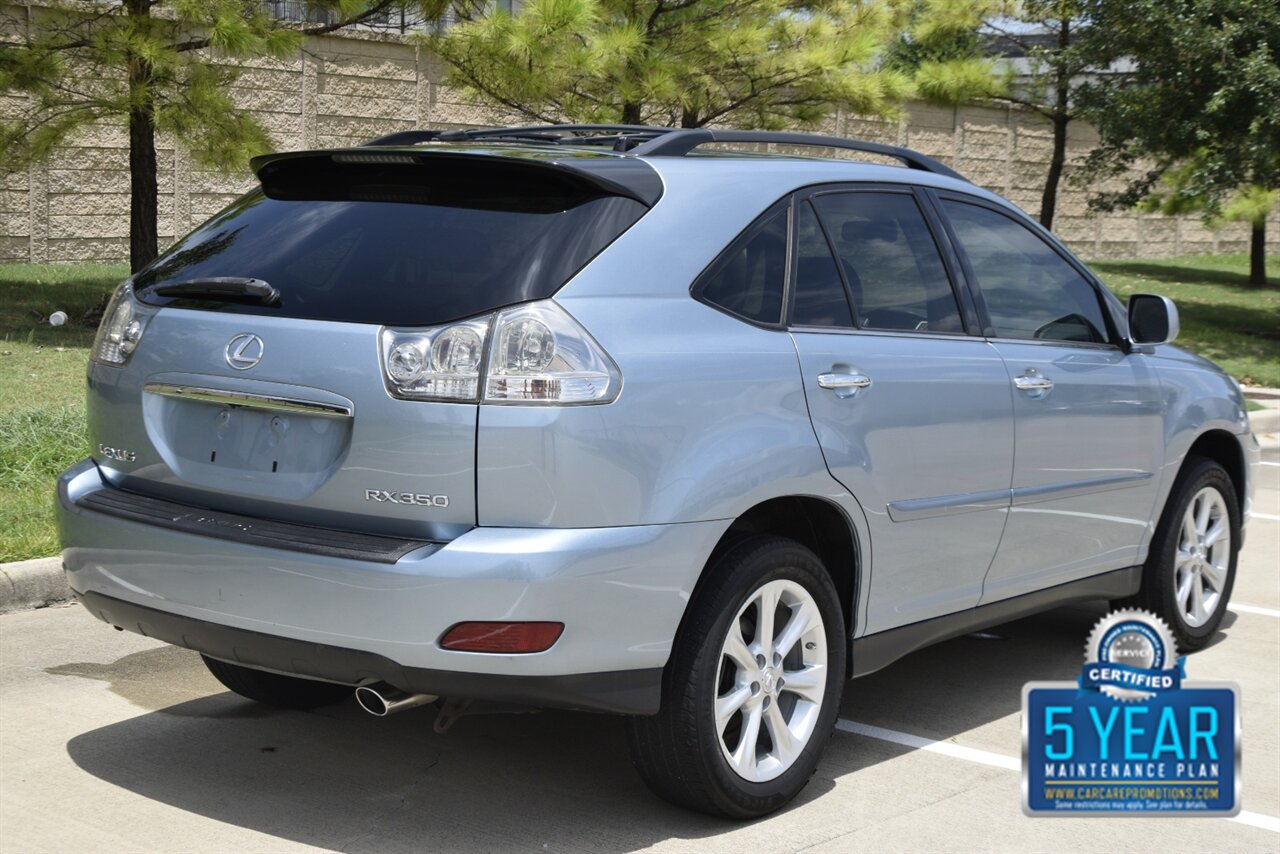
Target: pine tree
(157, 66)
(688, 63)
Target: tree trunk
(1061, 118)
(1258, 253)
(143, 192)
(1058, 159)
(143, 189)
(631, 114)
(689, 119)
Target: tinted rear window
(406, 244)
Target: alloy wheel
(1204, 557)
(771, 680)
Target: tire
(274, 689)
(681, 752)
(1173, 560)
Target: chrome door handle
(843, 380)
(1032, 380)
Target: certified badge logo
(1129, 655)
(1130, 735)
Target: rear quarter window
(749, 278)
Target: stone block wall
(341, 91)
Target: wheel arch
(816, 523)
(1223, 448)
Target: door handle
(1033, 381)
(836, 380)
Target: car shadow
(337, 778)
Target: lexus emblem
(244, 351)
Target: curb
(1264, 421)
(31, 584)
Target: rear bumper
(620, 592)
(628, 692)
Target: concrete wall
(343, 90)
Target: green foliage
(36, 444)
(74, 65)
(936, 33)
(1181, 190)
(1251, 203)
(156, 65)
(947, 39)
(1202, 104)
(762, 63)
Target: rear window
(398, 244)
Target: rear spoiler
(605, 174)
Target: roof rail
(651, 141)
(678, 142)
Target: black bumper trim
(189, 519)
(627, 692)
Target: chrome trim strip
(247, 400)
(947, 505)
(1053, 491)
(972, 502)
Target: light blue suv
(616, 418)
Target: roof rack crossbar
(404, 137)
(554, 130)
(680, 141)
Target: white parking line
(1253, 609)
(999, 760)
(1269, 463)
(1264, 516)
(1254, 819)
(946, 748)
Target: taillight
(531, 354)
(120, 330)
(441, 363)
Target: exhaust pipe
(381, 699)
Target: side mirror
(1153, 319)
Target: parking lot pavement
(109, 740)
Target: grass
(1223, 318)
(42, 424)
(42, 368)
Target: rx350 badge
(418, 499)
(1130, 736)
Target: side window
(819, 294)
(891, 262)
(748, 281)
(1029, 289)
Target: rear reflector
(502, 637)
